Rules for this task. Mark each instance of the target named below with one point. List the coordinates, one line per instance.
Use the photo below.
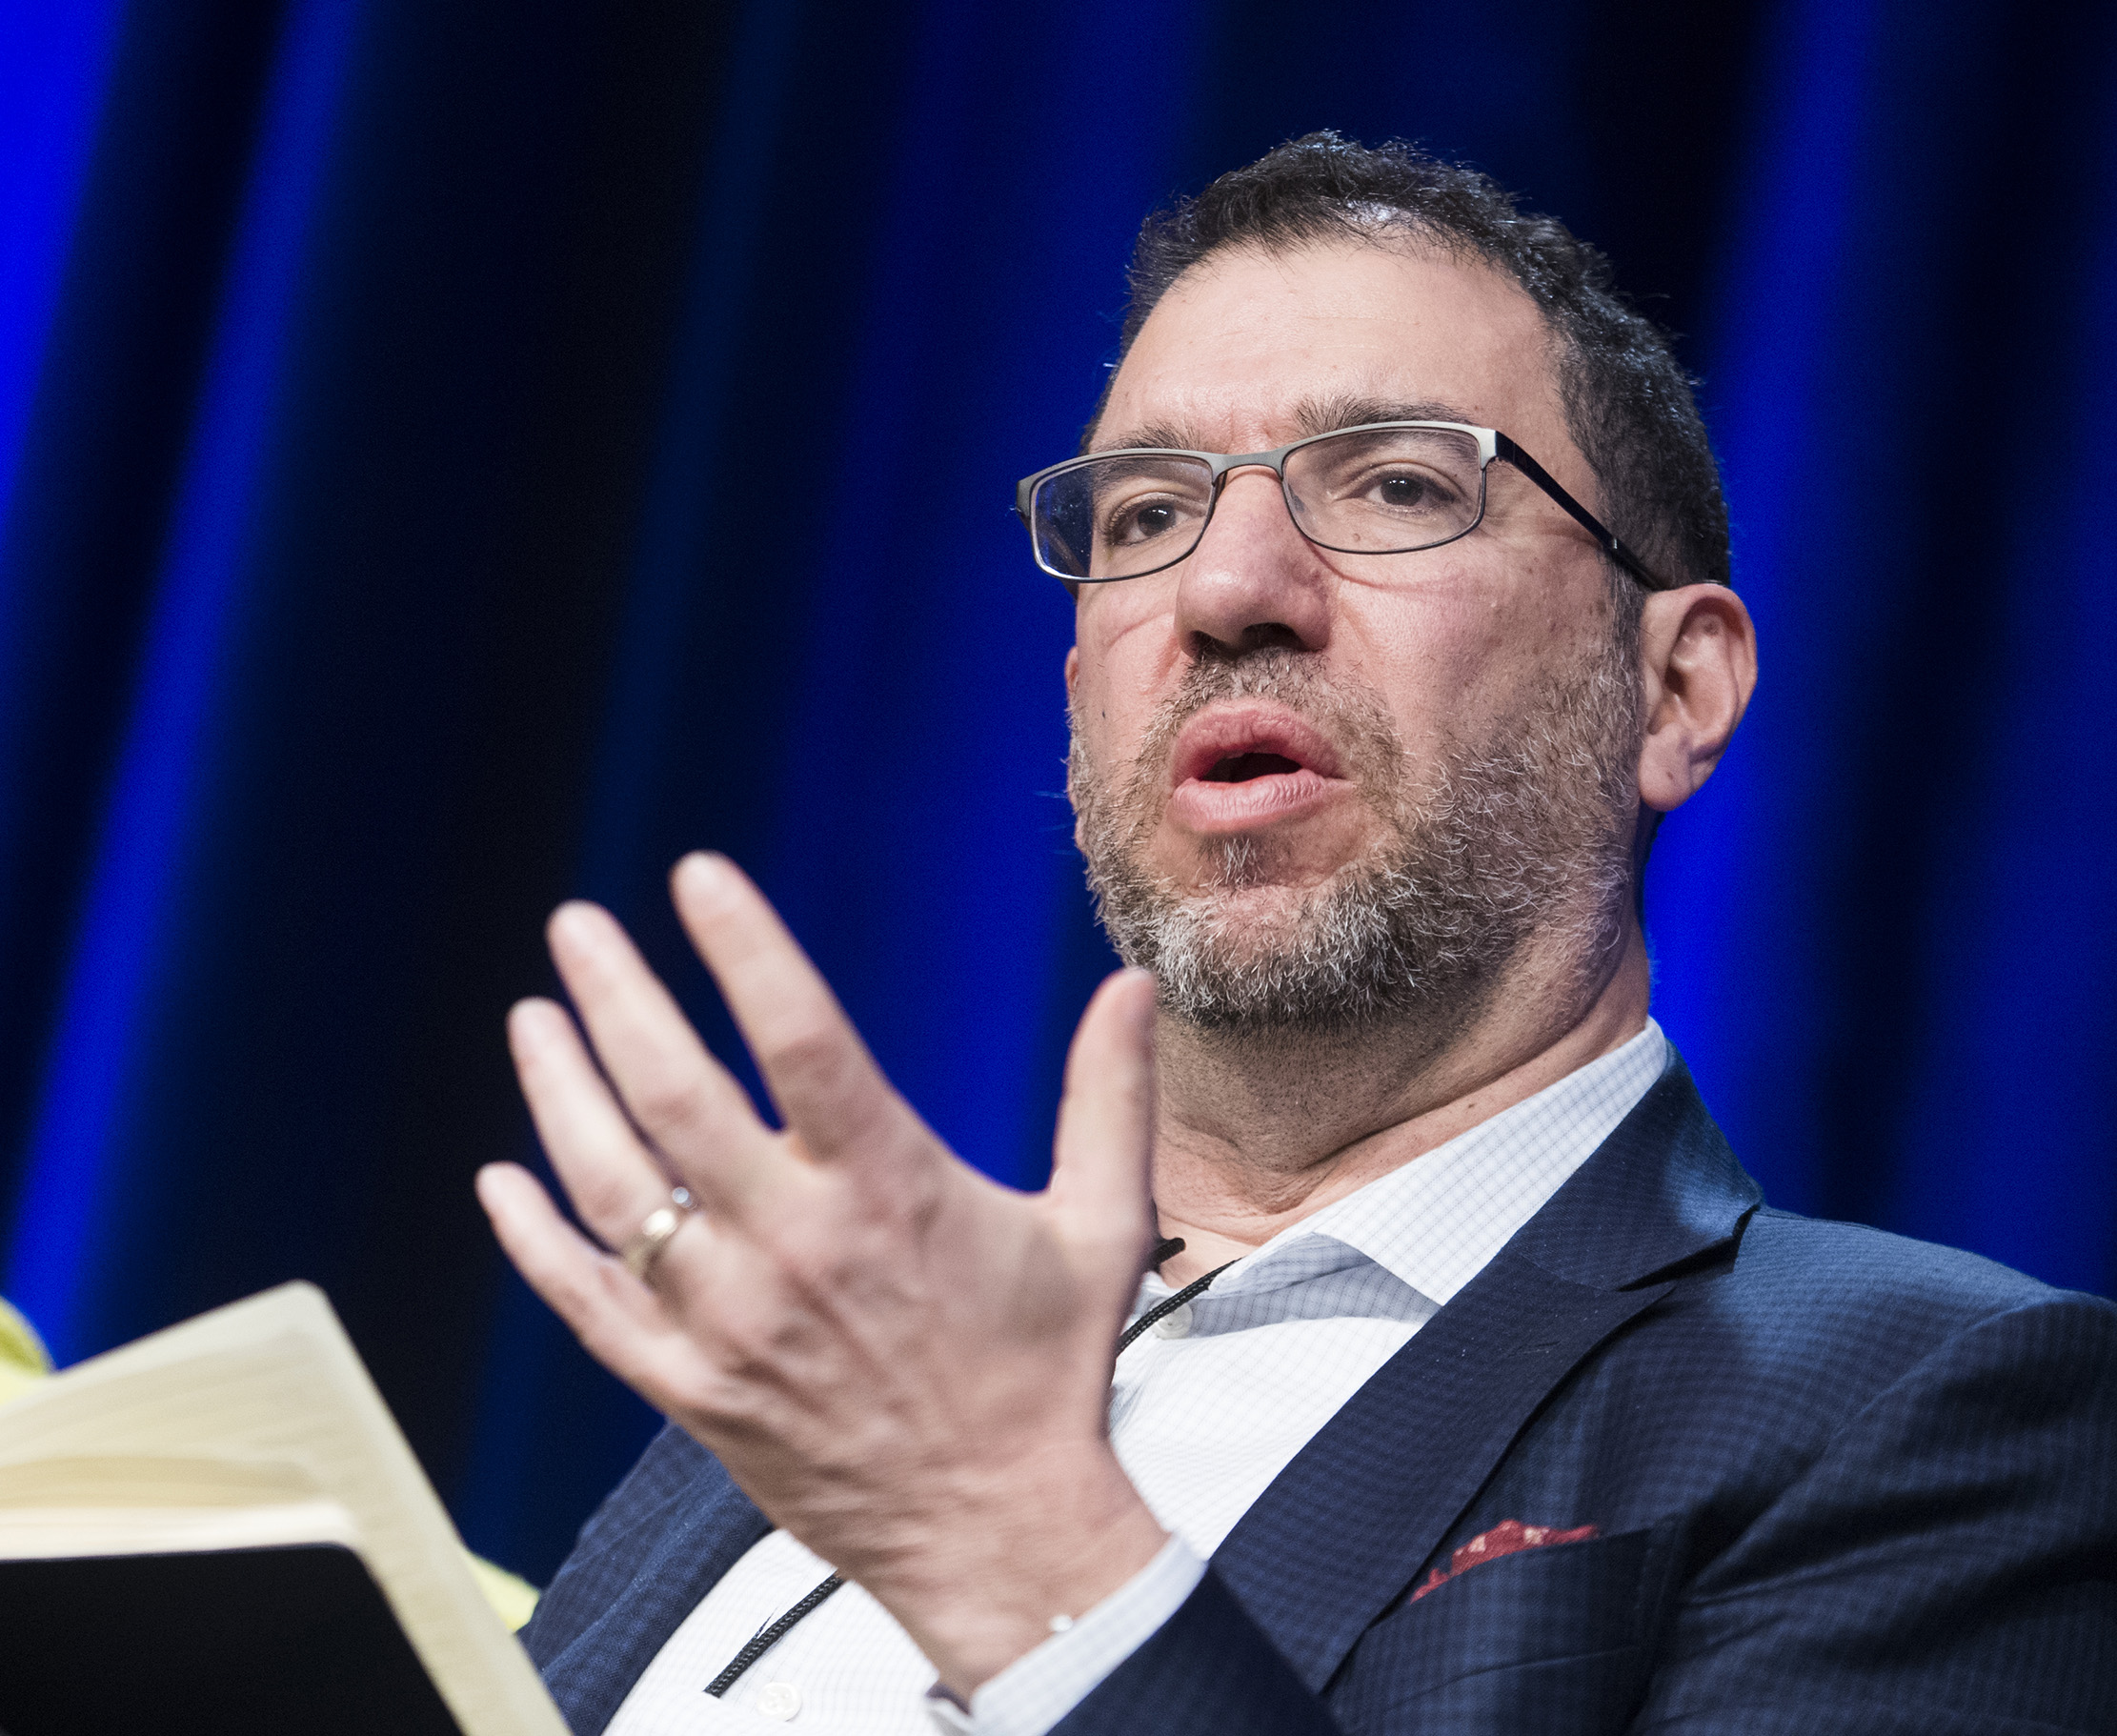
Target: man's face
(1274, 742)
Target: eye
(1399, 488)
(1140, 510)
(1136, 504)
(1406, 491)
(1137, 521)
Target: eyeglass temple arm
(1536, 473)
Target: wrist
(1006, 1570)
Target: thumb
(1101, 1156)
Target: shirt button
(1175, 1323)
(779, 1700)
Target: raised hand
(903, 1364)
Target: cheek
(1434, 660)
(1459, 654)
(1127, 659)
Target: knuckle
(580, 1294)
(810, 1057)
(605, 1200)
(812, 1266)
(671, 1104)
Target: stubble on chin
(1524, 830)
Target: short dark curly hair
(1628, 403)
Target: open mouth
(1241, 768)
(1237, 767)
(1242, 742)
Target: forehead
(1246, 342)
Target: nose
(1254, 581)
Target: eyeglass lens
(1383, 491)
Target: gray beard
(1527, 833)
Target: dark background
(454, 456)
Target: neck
(1255, 1135)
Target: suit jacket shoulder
(1817, 1478)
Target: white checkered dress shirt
(1206, 1410)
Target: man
(1477, 1373)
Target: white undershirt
(1205, 1410)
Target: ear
(1698, 652)
(1072, 668)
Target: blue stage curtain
(453, 457)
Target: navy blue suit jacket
(1840, 1482)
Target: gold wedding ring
(652, 1234)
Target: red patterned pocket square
(1509, 1537)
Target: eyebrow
(1311, 416)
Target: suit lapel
(1346, 1525)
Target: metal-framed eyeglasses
(1382, 488)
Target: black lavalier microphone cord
(1168, 1305)
(772, 1633)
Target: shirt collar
(1439, 1218)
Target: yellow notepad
(245, 1452)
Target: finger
(610, 1175)
(1102, 1154)
(619, 1321)
(821, 1075)
(683, 1099)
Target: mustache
(1350, 714)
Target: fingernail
(529, 1026)
(583, 928)
(705, 872)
